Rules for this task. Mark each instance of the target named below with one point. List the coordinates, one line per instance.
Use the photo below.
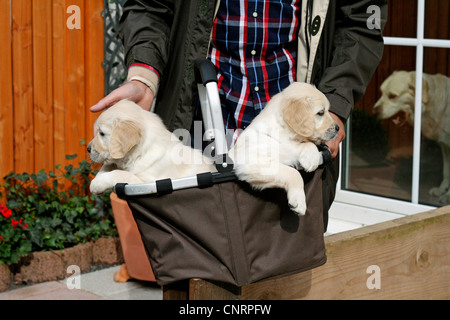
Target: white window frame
(349, 200)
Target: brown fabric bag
(230, 233)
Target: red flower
(5, 211)
(1, 238)
(15, 223)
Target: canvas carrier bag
(213, 227)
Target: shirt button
(315, 26)
(256, 88)
(253, 52)
(255, 14)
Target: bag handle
(206, 78)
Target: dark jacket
(339, 54)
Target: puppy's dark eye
(101, 133)
(392, 95)
(321, 113)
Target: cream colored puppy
(398, 99)
(134, 146)
(282, 138)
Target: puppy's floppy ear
(412, 83)
(125, 135)
(297, 113)
(425, 94)
(412, 87)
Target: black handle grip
(119, 189)
(205, 71)
(326, 153)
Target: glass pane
(436, 19)
(402, 19)
(435, 148)
(380, 139)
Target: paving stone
(95, 285)
(52, 290)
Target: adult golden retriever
(282, 139)
(134, 146)
(397, 99)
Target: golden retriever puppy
(397, 99)
(134, 146)
(282, 140)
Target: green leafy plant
(51, 210)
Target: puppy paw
(310, 157)
(445, 198)
(299, 209)
(100, 184)
(441, 190)
(297, 202)
(436, 192)
(105, 181)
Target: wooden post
(6, 96)
(176, 291)
(22, 67)
(75, 107)
(202, 290)
(94, 35)
(43, 84)
(59, 83)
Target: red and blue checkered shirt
(254, 47)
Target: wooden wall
(49, 77)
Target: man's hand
(334, 144)
(135, 91)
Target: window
(397, 152)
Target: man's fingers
(135, 91)
(107, 102)
(103, 104)
(333, 145)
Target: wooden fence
(49, 77)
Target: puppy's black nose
(89, 149)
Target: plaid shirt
(254, 45)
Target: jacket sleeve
(357, 50)
(145, 28)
